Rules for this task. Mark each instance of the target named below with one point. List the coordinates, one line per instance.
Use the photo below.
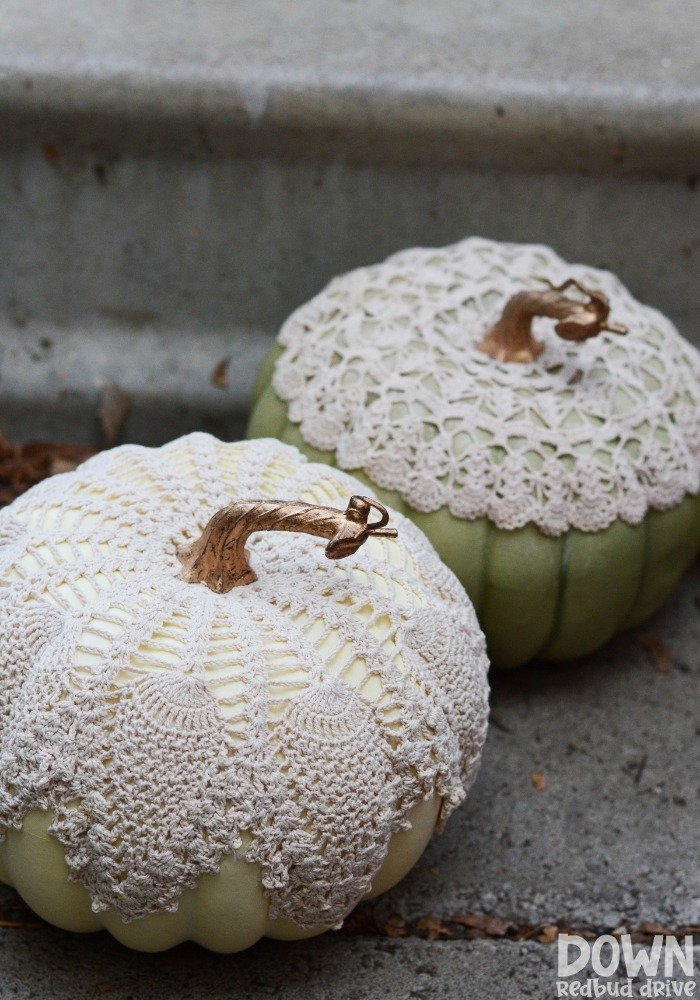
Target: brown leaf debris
(219, 376)
(365, 921)
(112, 409)
(24, 465)
(433, 927)
(395, 927)
(659, 652)
(489, 925)
(538, 781)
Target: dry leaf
(433, 927)
(219, 376)
(548, 934)
(112, 409)
(395, 927)
(61, 464)
(538, 781)
(106, 987)
(525, 932)
(651, 928)
(489, 925)
(52, 154)
(659, 652)
(22, 925)
(24, 465)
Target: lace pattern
(159, 722)
(381, 368)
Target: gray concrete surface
(611, 842)
(175, 178)
(613, 838)
(555, 84)
(43, 965)
(155, 273)
(49, 966)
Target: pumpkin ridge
(642, 577)
(559, 602)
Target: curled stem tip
(218, 558)
(511, 338)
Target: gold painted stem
(511, 338)
(218, 557)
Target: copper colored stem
(511, 338)
(218, 558)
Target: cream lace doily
(382, 368)
(159, 721)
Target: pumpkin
(556, 471)
(202, 740)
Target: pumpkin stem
(511, 338)
(218, 557)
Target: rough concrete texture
(610, 842)
(175, 178)
(149, 271)
(547, 84)
(612, 839)
(49, 965)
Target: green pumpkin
(562, 490)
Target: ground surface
(175, 178)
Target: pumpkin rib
(37, 869)
(485, 567)
(562, 577)
(673, 545)
(460, 541)
(641, 535)
(520, 593)
(482, 530)
(629, 620)
(600, 576)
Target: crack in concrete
(366, 921)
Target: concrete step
(174, 179)
(172, 173)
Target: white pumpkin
(177, 763)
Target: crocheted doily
(159, 721)
(382, 368)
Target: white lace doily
(159, 721)
(382, 368)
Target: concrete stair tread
(554, 84)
